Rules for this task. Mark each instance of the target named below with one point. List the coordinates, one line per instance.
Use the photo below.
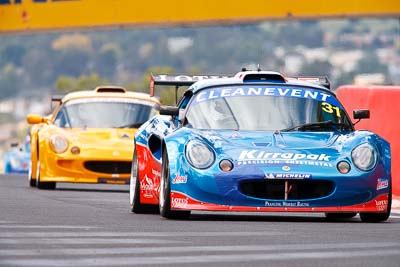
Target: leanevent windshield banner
(26, 16)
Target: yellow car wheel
(43, 185)
(32, 182)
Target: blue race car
(259, 141)
(18, 158)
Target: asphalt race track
(90, 225)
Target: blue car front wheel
(165, 193)
(371, 217)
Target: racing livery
(88, 138)
(259, 141)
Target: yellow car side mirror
(35, 119)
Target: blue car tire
(135, 205)
(165, 193)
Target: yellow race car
(88, 138)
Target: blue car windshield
(265, 108)
(104, 113)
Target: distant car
(262, 142)
(89, 136)
(18, 158)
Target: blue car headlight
(199, 154)
(364, 157)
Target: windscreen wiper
(319, 125)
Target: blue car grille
(295, 189)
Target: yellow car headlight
(58, 143)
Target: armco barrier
(384, 105)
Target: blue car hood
(263, 145)
(277, 140)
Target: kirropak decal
(252, 157)
(299, 92)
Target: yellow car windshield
(103, 114)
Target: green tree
(344, 78)
(316, 68)
(72, 62)
(67, 84)
(12, 54)
(370, 63)
(108, 59)
(9, 81)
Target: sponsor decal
(308, 93)
(252, 157)
(286, 168)
(179, 179)
(179, 202)
(259, 154)
(185, 78)
(287, 204)
(148, 185)
(125, 136)
(288, 176)
(213, 138)
(155, 173)
(159, 126)
(235, 134)
(280, 162)
(101, 180)
(381, 205)
(141, 136)
(382, 183)
(262, 144)
(18, 2)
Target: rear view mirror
(359, 114)
(35, 119)
(13, 144)
(169, 110)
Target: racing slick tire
(165, 194)
(32, 182)
(134, 192)
(338, 216)
(43, 185)
(373, 217)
